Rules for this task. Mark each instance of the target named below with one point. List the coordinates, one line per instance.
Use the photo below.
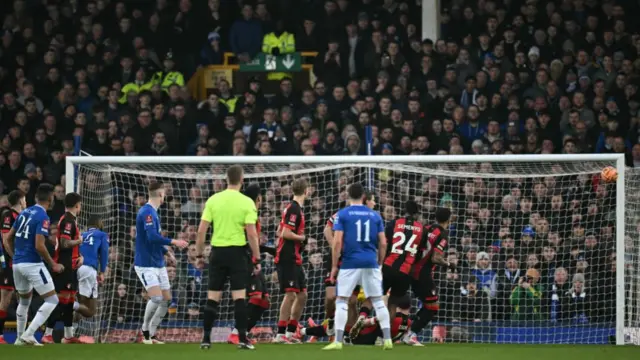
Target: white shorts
(32, 276)
(369, 279)
(151, 277)
(88, 282)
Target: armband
(254, 261)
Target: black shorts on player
(6, 279)
(291, 278)
(257, 284)
(395, 281)
(424, 288)
(225, 263)
(66, 281)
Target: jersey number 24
(399, 239)
(23, 229)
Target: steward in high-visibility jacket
(278, 43)
(137, 86)
(169, 76)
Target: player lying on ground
(406, 236)
(234, 218)
(432, 248)
(371, 331)
(258, 301)
(26, 244)
(288, 260)
(149, 263)
(8, 216)
(330, 284)
(95, 254)
(67, 253)
(360, 240)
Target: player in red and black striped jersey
(406, 235)
(330, 283)
(8, 216)
(291, 276)
(433, 245)
(67, 253)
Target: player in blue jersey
(26, 244)
(149, 264)
(359, 238)
(95, 252)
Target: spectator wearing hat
(169, 75)
(485, 274)
(526, 298)
(212, 53)
(578, 301)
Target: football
(609, 174)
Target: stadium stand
(506, 77)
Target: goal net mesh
(534, 244)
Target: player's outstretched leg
(342, 313)
(47, 307)
(423, 318)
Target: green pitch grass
(314, 352)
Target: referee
(231, 213)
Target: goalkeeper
(231, 213)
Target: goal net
(538, 241)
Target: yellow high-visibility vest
(230, 103)
(285, 42)
(133, 87)
(165, 80)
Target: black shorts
(257, 284)
(291, 278)
(425, 289)
(395, 281)
(228, 263)
(66, 281)
(6, 279)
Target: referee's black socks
(210, 315)
(240, 310)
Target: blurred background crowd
(505, 77)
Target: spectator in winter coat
(246, 35)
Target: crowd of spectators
(505, 77)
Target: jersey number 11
(363, 237)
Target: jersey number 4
(363, 237)
(400, 239)
(23, 229)
(88, 240)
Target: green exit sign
(267, 63)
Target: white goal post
(547, 220)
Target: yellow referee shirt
(229, 211)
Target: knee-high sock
(150, 311)
(240, 311)
(255, 309)
(42, 315)
(342, 314)
(157, 318)
(210, 315)
(423, 317)
(22, 312)
(382, 313)
(67, 318)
